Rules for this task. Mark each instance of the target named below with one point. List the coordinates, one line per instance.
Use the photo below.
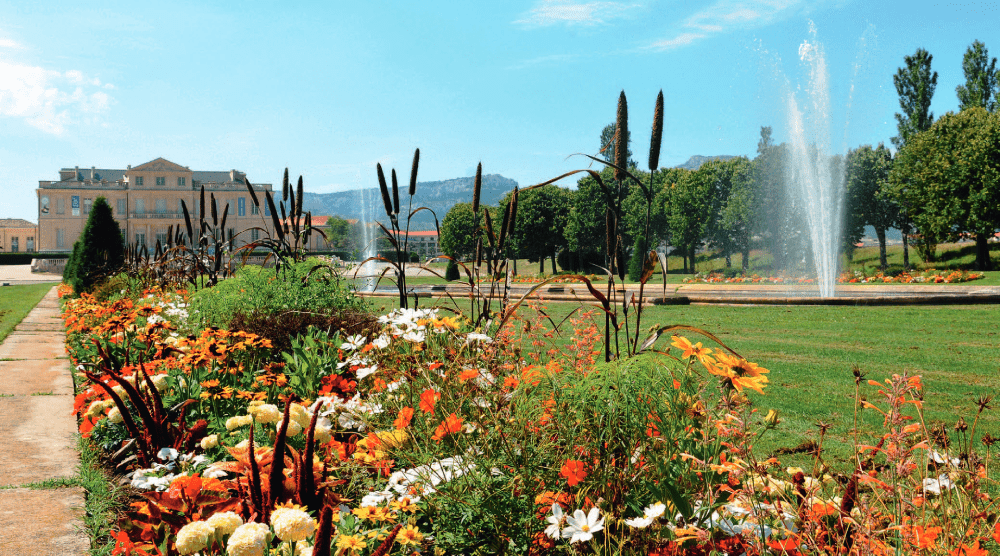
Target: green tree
(867, 203)
(339, 233)
(915, 86)
(607, 147)
(981, 77)
(585, 232)
(458, 232)
(778, 220)
(542, 216)
(99, 252)
(949, 177)
(733, 200)
(689, 207)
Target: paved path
(19, 274)
(38, 439)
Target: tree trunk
(691, 255)
(515, 265)
(906, 247)
(883, 263)
(729, 260)
(684, 258)
(554, 261)
(746, 260)
(983, 252)
(541, 265)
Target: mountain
(439, 196)
(697, 160)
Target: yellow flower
(265, 413)
(225, 523)
(351, 542)
(210, 441)
(238, 421)
(366, 512)
(291, 523)
(409, 535)
(249, 539)
(193, 537)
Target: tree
(981, 77)
(607, 148)
(458, 232)
(99, 252)
(542, 216)
(733, 196)
(339, 235)
(778, 219)
(866, 176)
(949, 177)
(585, 231)
(915, 86)
(689, 207)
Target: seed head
(621, 138)
(654, 143)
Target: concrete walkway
(38, 439)
(20, 274)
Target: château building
(146, 201)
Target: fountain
(369, 270)
(815, 177)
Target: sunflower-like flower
(739, 373)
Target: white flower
(377, 497)
(366, 371)
(167, 454)
(477, 337)
(552, 531)
(292, 524)
(415, 336)
(265, 413)
(581, 527)
(249, 539)
(382, 341)
(935, 486)
(193, 537)
(655, 510)
(639, 522)
(115, 415)
(225, 523)
(353, 342)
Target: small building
(17, 236)
(423, 243)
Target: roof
(110, 174)
(15, 223)
(160, 164)
(426, 233)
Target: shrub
(99, 252)
(637, 260)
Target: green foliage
(312, 356)
(981, 78)
(255, 290)
(458, 231)
(607, 145)
(689, 210)
(635, 263)
(734, 200)
(542, 216)
(585, 224)
(99, 252)
(915, 85)
(867, 202)
(949, 177)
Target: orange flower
(468, 374)
(966, 550)
(451, 424)
(573, 471)
(690, 350)
(427, 400)
(404, 419)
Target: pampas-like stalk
(253, 194)
(284, 187)
(477, 187)
(654, 142)
(395, 193)
(386, 200)
(298, 198)
(413, 173)
(621, 138)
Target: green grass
(103, 499)
(811, 351)
(16, 302)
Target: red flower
(404, 419)
(451, 424)
(574, 471)
(427, 400)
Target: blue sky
(330, 88)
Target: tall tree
(689, 207)
(867, 176)
(542, 216)
(734, 202)
(99, 252)
(981, 77)
(458, 232)
(949, 176)
(915, 86)
(777, 216)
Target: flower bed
(855, 277)
(429, 436)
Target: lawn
(16, 302)
(811, 351)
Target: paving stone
(42, 522)
(33, 345)
(38, 439)
(35, 376)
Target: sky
(328, 89)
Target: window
(231, 234)
(60, 238)
(140, 240)
(87, 203)
(120, 207)
(161, 181)
(254, 234)
(241, 206)
(162, 238)
(60, 205)
(254, 210)
(161, 206)
(13, 245)
(44, 205)
(140, 206)
(267, 210)
(138, 181)
(180, 182)
(29, 244)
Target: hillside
(439, 196)
(697, 160)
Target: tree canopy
(915, 85)
(99, 252)
(867, 176)
(980, 88)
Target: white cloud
(727, 15)
(8, 43)
(50, 100)
(569, 12)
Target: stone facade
(17, 236)
(146, 201)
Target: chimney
(129, 167)
(232, 175)
(92, 168)
(76, 174)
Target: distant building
(17, 236)
(423, 243)
(146, 201)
